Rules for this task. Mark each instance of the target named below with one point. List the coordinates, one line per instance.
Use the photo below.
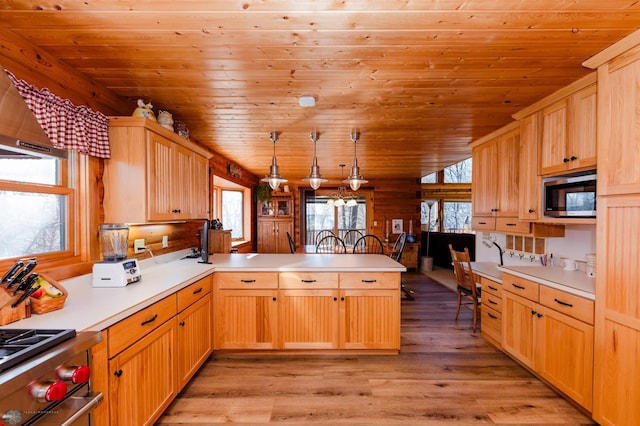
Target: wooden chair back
(398, 246)
(292, 244)
(368, 244)
(468, 291)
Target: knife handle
(16, 266)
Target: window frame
(218, 184)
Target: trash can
(426, 263)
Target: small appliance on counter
(115, 270)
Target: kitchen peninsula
(181, 310)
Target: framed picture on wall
(396, 226)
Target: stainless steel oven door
(75, 409)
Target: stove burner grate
(18, 345)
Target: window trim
(217, 185)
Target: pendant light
(342, 198)
(273, 178)
(355, 180)
(315, 179)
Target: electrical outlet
(165, 241)
(138, 246)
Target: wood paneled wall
(397, 199)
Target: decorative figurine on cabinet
(144, 110)
(165, 119)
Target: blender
(115, 270)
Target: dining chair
(351, 236)
(292, 244)
(331, 244)
(467, 288)
(396, 254)
(321, 234)
(368, 244)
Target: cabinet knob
(574, 158)
(565, 160)
(531, 210)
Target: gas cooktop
(18, 345)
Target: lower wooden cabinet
(149, 356)
(491, 310)
(310, 310)
(556, 345)
(143, 378)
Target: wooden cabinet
(410, 255)
(568, 141)
(530, 201)
(617, 321)
(141, 358)
(153, 174)
(149, 356)
(245, 310)
(194, 329)
(491, 312)
(307, 310)
(275, 219)
(551, 332)
(219, 241)
(495, 180)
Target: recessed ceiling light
(307, 101)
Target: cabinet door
(554, 138)
(484, 179)
(309, 319)
(566, 355)
(282, 241)
(195, 338)
(370, 319)
(530, 182)
(182, 183)
(143, 378)
(159, 160)
(267, 241)
(508, 163)
(246, 319)
(518, 316)
(200, 187)
(581, 150)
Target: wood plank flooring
(445, 374)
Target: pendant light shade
(342, 198)
(274, 179)
(355, 179)
(315, 179)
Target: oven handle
(90, 405)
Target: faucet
(499, 251)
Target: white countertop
(573, 282)
(488, 270)
(90, 308)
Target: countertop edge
(557, 286)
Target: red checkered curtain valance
(68, 126)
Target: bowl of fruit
(49, 297)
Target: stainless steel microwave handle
(93, 400)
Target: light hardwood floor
(445, 374)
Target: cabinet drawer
(492, 287)
(131, 329)
(480, 223)
(520, 286)
(308, 280)
(491, 323)
(370, 280)
(492, 301)
(188, 295)
(512, 225)
(246, 280)
(569, 304)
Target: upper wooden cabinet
(569, 133)
(529, 207)
(495, 177)
(153, 174)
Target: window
(232, 205)
(459, 172)
(456, 216)
(320, 216)
(36, 217)
(432, 178)
(232, 212)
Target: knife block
(9, 314)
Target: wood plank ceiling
(418, 79)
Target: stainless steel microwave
(570, 196)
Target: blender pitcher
(114, 241)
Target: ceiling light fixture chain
(274, 179)
(355, 180)
(314, 178)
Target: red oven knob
(48, 391)
(75, 373)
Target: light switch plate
(165, 241)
